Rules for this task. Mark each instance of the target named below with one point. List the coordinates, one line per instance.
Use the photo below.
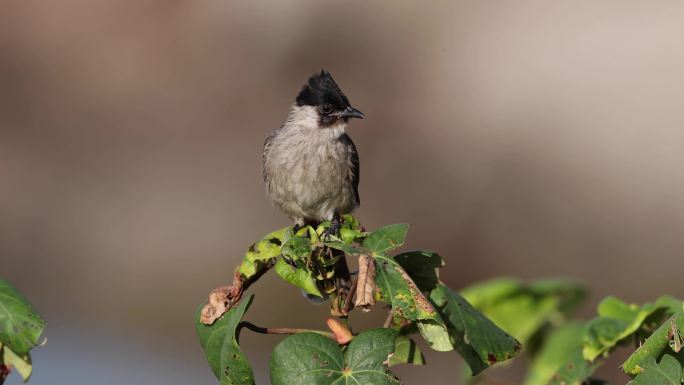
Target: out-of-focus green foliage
(20, 330)
(558, 349)
(622, 324)
(618, 320)
(522, 309)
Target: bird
(310, 164)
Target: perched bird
(310, 164)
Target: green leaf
(422, 266)
(349, 249)
(618, 320)
(398, 289)
(386, 238)
(351, 230)
(406, 352)
(667, 372)
(558, 348)
(312, 359)
(263, 253)
(522, 309)
(220, 344)
(668, 335)
(576, 371)
(299, 276)
(435, 333)
(297, 248)
(476, 338)
(483, 295)
(20, 325)
(570, 293)
(21, 364)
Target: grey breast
(312, 175)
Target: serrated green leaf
(312, 359)
(558, 348)
(618, 320)
(667, 337)
(299, 276)
(263, 253)
(20, 325)
(22, 364)
(476, 338)
(386, 238)
(220, 344)
(406, 352)
(666, 372)
(422, 266)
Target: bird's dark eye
(326, 108)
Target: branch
(348, 300)
(388, 320)
(262, 330)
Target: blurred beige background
(527, 138)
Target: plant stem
(262, 330)
(350, 295)
(388, 320)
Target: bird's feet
(334, 229)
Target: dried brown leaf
(365, 289)
(221, 300)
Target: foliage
(487, 324)
(310, 358)
(220, 344)
(315, 261)
(564, 351)
(20, 331)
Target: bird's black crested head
(322, 92)
(320, 89)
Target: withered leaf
(365, 289)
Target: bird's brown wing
(264, 155)
(355, 166)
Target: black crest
(321, 89)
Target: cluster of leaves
(20, 330)
(486, 323)
(408, 283)
(562, 351)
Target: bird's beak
(351, 112)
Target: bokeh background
(527, 139)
